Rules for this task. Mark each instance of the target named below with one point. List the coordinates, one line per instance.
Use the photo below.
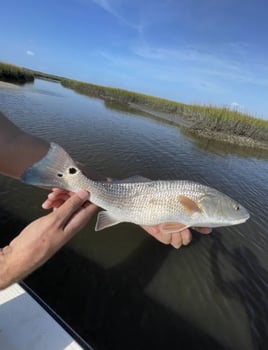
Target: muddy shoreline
(5, 84)
(194, 127)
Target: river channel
(120, 288)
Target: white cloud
(236, 106)
(106, 5)
(30, 53)
(213, 65)
(114, 9)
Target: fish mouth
(242, 220)
(223, 224)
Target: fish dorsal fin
(172, 227)
(104, 220)
(135, 178)
(189, 205)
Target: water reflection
(108, 306)
(209, 145)
(223, 148)
(253, 296)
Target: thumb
(66, 211)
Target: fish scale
(174, 205)
(160, 197)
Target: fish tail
(51, 170)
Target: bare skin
(43, 238)
(71, 212)
(18, 150)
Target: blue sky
(192, 51)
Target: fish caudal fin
(51, 170)
(104, 220)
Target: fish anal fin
(172, 227)
(104, 220)
(189, 205)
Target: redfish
(174, 205)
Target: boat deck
(25, 324)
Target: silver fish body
(174, 205)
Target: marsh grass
(12, 73)
(206, 118)
(229, 121)
(209, 118)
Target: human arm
(43, 237)
(18, 150)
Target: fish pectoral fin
(104, 220)
(189, 205)
(172, 227)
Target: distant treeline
(200, 118)
(14, 74)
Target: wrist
(5, 279)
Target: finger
(55, 195)
(61, 191)
(186, 237)
(57, 189)
(56, 203)
(64, 197)
(203, 230)
(176, 240)
(165, 238)
(47, 204)
(80, 218)
(66, 211)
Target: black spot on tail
(72, 171)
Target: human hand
(176, 239)
(58, 196)
(44, 236)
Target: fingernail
(82, 194)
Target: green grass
(12, 73)
(41, 75)
(230, 121)
(123, 96)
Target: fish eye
(236, 207)
(72, 171)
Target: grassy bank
(123, 96)
(206, 121)
(202, 120)
(13, 74)
(46, 76)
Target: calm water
(120, 288)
